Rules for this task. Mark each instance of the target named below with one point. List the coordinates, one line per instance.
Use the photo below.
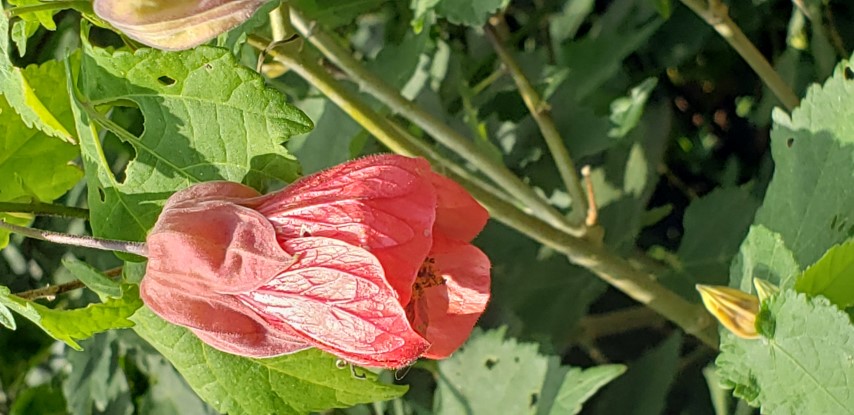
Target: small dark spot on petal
(848, 73)
(165, 80)
(790, 142)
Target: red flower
(369, 260)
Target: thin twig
(45, 209)
(716, 14)
(136, 248)
(541, 113)
(592, 210)
(439, 130)
(53, 290)
(617, 322)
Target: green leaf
(764, 255)
(473, 13)
(578, 386)
(27, 92)
(35, 166)
(96, 383)
(206, 118)
(94, 279)
(71, 325)
(626, 112)
(832, 276)
(715, 225)
(43, 400)
(810, 200)
(643, 389)
(804, 368)
(334, 13)
(293, 384)
(491, 375)
(6, 318)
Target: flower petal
(385, 204)
(446, 314)
(220, 321)
(336, 295)
(458, 215)
(175, 24)
(213, 245)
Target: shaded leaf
(292, 384)
(71, 325)
(764, 255)
(96, 383)
(473, 13)
(626, 112)
(643, 389)
(832, 276)
(6, 318)
(578, 386)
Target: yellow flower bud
(764, 289)
(735, 309)
(175, 24)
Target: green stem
(610, 267)
(440, 131)
(613, 269)
(716, 15)
(542, 115)
(392, 136)
(51, 6)
(136, 248)
(54, 290)
(44, 209)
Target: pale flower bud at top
(175, 24)
(736, 310)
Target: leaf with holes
(808, 208)
(494, 375)
(206, 118)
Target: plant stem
(716, 14)
(615, 270)
(44, 209)
(51, 6)
(610, 267)
(54, 290)
(440, 131)
(136, 248)
(388, 133)
(542, 115)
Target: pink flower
(369, 260)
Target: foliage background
(676, 127)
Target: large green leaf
(71, 325)
(832, 276)
(27, 94)
(808, 207)
(292, 384)
(494, 375)
(206, 118)
(804, 367)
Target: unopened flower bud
(175, 24)
(736, 310)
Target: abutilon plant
(370, 260)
